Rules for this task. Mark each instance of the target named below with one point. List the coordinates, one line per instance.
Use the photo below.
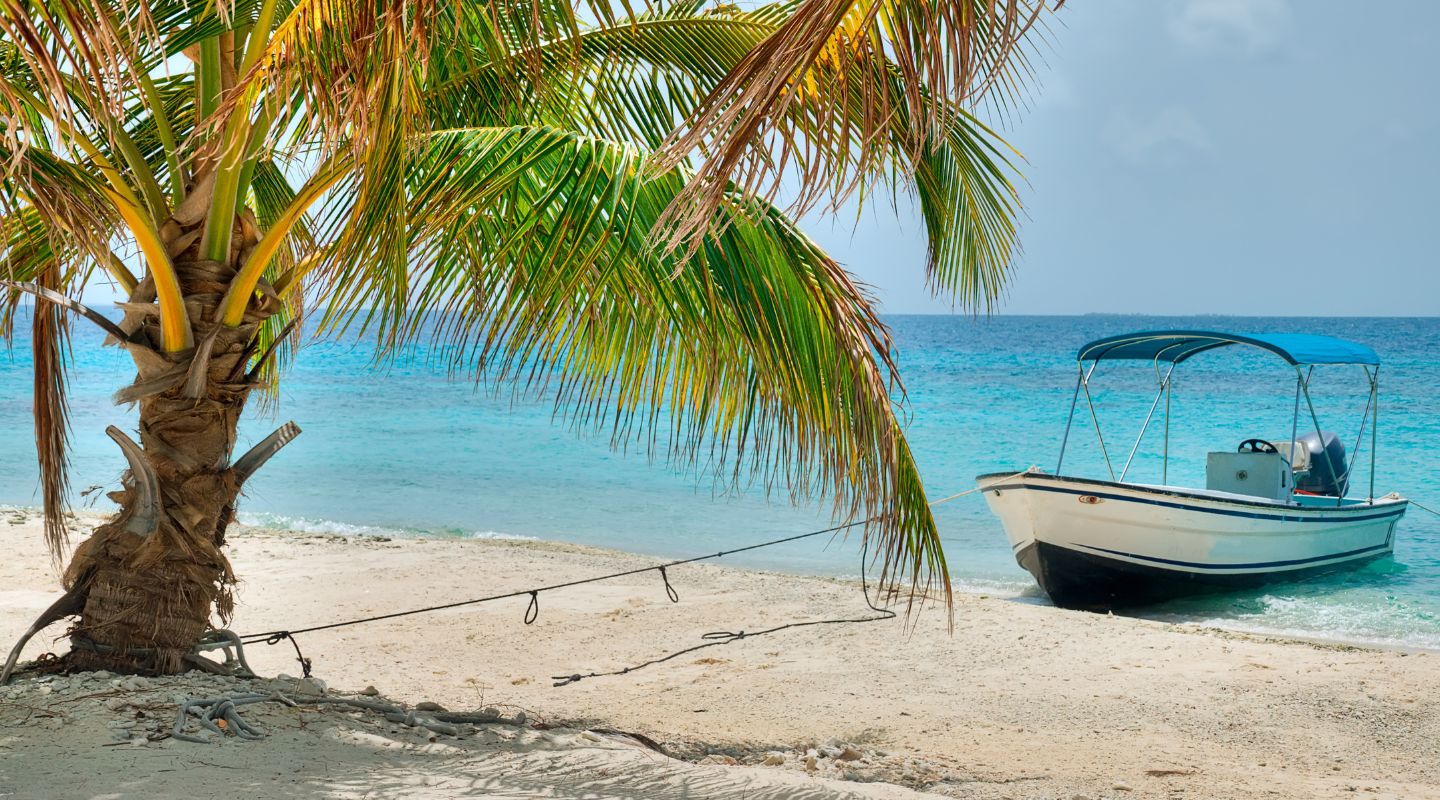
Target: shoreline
(1020, 700)
(854, 583)
(1025, 592)
(1005, 594)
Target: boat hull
(1099, 545)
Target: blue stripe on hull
(1374, 550)
(1357, 517)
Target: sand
(1021, 701)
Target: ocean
(406, 450)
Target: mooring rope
(1423, 507)
(717, 638)
(532, 610)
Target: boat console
(1256, 473)
(1277, 470)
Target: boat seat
(1296, 453)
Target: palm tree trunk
(153, 575)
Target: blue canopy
(1176, 346)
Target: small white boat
(1273, 510)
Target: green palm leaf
(481, 180)
(759, 360)
(870, 78)
(638, 80)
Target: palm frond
(637, 80)
(943, 54)
(479, 181)
(633, 80)
(967, 198)
(53, 209)
(272, 195)
(49, 342)
(761, 361)
(327, 62)
(34, 254)
(78, 61)
(162, 131)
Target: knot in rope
(280, 636)
(669, 590)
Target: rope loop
(669, 590)
(533, 610)
(723, 635)
(280, 636)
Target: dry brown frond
(49, 340)
(828, 53)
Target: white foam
(1023, 591)
(1362, 638)
(499, 535)
(328, 526)
(1312, 618)
(991, 587)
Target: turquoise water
(409, 451)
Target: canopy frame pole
(1074, 399)
(1294, 431)
(1165, 458)
(1095, 418)
(1374, 424)
(1339, 501)
(1165, 449)
(1146, 426)
(1360, 436)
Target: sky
(1236, 157)
(1247, 157)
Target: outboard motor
(1327, 474)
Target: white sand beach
(1020, 701)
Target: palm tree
(574, 198)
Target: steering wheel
(1256, 446)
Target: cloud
(1248, 27)
(1171, 135)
